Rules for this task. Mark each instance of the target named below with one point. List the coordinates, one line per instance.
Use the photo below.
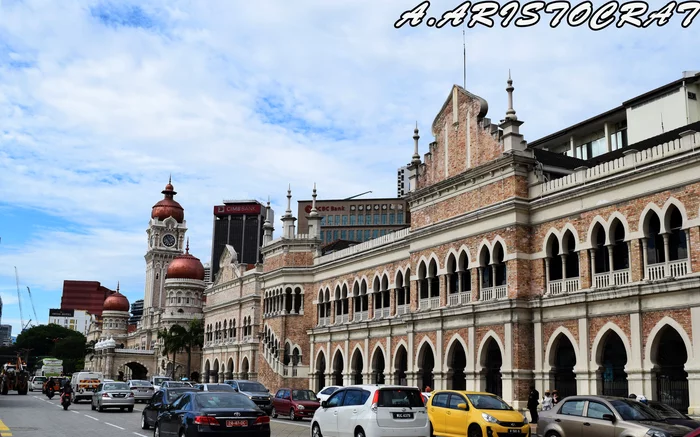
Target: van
(84, 384)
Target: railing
(423, 304)
(601, 280)
(494, 293)
(401, 309)
(324, 321)
(621, 277)
(341, 318)
(563, 286)
(678, 268)
(656, 271)
(367, 245)
(383, 312)
(501, 291)
(459, 299)
(361, 315)
(435, 302)
(675, 269)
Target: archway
(357, 366)
(492, 362)
(135, 371)
(457, 362)
(378, 366)
(244, 368)
(613, 359)
(563, 361)
(426, 363)
(401, 366)
(321, 370)
(338, 366)
(671, 378)
(194, 376)
(207, 371)
(229, 369)
(215, 372)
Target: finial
(267, 213)
(170, 178)
(117, 286)
(313, 206)
(187, 248)
(416, 137)
(510, 113)
(289, 200)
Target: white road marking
(140, 435)
(93, 418)
(289, 422)
(73, 411)
(115, 426)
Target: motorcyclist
(66, 390)
(50, 384)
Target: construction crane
(32, 301)
(19, 299)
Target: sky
(101, 101)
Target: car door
(153, 407)
(277, 401)
(437, 406)
(286, 403)
(170, 419)
(349, 412)
(598, 422)
(570, 418)
(96, 395)
(328, 417)
(455, 418)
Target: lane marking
(140, 435)
(73, 411)
(93, 418)
(114, 426)
(289, 422)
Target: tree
(169, 340)
(188, 338)
(53, 340)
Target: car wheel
(93, 407)
(360, 433)
(182, 433)
(156, 431)
(316, 431)
(273, 414)
(144, 422)
(292, 417)
(475, 431)
(100, 408)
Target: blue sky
(100, 101)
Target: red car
(296, 404)
(695, 433)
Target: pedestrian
(632, 396)
(428, 389)
(532, 402)
(642, 399)
(547, 401)
(555, 397)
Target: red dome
(185, 266)
(116, 302)
(168, 207)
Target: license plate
(513, 431)
(236, 423)
(403, 415)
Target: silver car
(113, 395)
(142, 390)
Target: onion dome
(116, 302)
(168, 207)
(185, 266)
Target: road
(34, 415)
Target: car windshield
(665, 411)
(251, 387)
(219, 387)
(633, 410)
(140, 383)
(488, 402)
(40, 379)
(158, 381)
(223, 400)
(303, 395)
(176, 384)
(400, 398)
(174, 394)
(116, 386)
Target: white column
(471, 371)
(645, 258)
(507, 366)
(572, 147)
(608, 144)
(634, 368)
(582, 368)
(692, 366)
(667, 270)
(438, 374)
(539, 359)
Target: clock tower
(166, 237)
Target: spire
(267, 226)
(187, 248)
(267, 213)
(170, 178)
(288, 219)
(416, 156)
(117, 286)
(313, 212)
(510, 113)
(289, 200)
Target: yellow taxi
(474, 414)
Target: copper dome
(168, 207)
(185, 266)
(116, 302)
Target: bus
(49, 367)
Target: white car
(374, 411)
(325, 392)
(37, 383)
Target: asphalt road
(34, 415)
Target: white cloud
(240, 99)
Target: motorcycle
(49, 393)
(65, 400)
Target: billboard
(238, 208)
(61, 313)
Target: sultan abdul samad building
(571, 262)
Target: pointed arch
(484, 254)
(321, 351)
(401, 343)
(449, 350)
(551, 233)
(554, 338)
(652, 340)
(425, 342)
(379, 346)
(504, 247)
(645, 217)
(481, 354)
(670, 203)
(597, 350)
(356, 349)
(451, 254)
(590, 236)
(617, 216)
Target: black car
(671, 415)
(159, 402)
(255, 391)
(212, 413)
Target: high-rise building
(207, 273)
(5, 335)
(136, 312)
(77, 320)
(402, 181)
(238, 223)
(356, 220)
(84, 295)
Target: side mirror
(609, 417)
(324, 404)
(462, 406)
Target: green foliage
(183, 337)
(54, 341)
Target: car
(592, 416)
(476, 414)
(157, 381)
(84, 384)
(214, 387)
(255, 391)
(325, 392)
(695, 433)
(200, 413)
(372, 410)
(37, 383)
(159, 403)
(296, 404)
(671, 415)
(174, 384)
(113, 395)
(142, 390)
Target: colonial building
(174, 295)
(572, 263)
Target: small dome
(168, 207)
(185, 266)
(116, 302)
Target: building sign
(61, 313)
(237, 208)
(325, 208)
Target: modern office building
(238, 223)
(136, 312)
(356, 220)
(5, 335)
(84, 295)
(77, 320)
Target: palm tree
(188, 338)
(169, 344)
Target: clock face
(169, 240)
